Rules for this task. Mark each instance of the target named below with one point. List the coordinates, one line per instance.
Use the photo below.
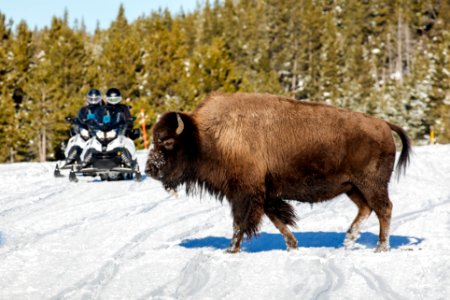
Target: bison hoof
(382, 247)
(233, 250)
(349, 244)
(350, 240)
(292, 245)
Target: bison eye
(168, 144)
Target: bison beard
(257, 150)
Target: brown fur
(258, 149)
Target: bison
(259, 151)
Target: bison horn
(180, 127)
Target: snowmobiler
(110, 152)
(113, 106)
(80, 131)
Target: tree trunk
(399, 67)
(389, 48)
(11, 154)
(42, 145)
(43, 133)
(294, 74)
(407, 47)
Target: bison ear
(180, 127)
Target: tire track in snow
(45, 193)
(196, 273)
(93, 284)
(43, 200)
(193, 278)
(35, 238)
(334, 280)
(208, 271)
(40, 197)
(403, 218)
(378, 284)
(294, 265)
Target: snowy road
(129, 240)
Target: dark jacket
(117, 115)
(86, 114)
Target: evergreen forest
(386, 58)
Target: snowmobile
(109, 153)
(75, 145)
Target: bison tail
(403, 160)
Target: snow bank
(117, 240)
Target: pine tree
(54, 88)
(310, 59)
(165, 52)
(93, 45)
(210, 69)
(209, 25)
(5, 37)
(284, 43)
(22, 52)
(387, 58)
(439, 115)
(39, 107)
(164, 59)
(331, 61)
(359, 73)
(249, 48)
(120, 57)
(8, 120)
(8, 128)
(418, 86)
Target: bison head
(173, 149)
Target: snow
(397, 75)
(130, 240)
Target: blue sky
(40, 12)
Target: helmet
(113, 96)
(94, 96)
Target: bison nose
(150, 169)
(155, 162)
(147, 171)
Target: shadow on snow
(272, 241)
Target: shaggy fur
(258, 150)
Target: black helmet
(94, 96)
(113, 96)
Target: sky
(39, 13)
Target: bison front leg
(235, 245)
(247, 214)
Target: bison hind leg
(282, 214)
(384, 213)
(364, 212)
(376, 198)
